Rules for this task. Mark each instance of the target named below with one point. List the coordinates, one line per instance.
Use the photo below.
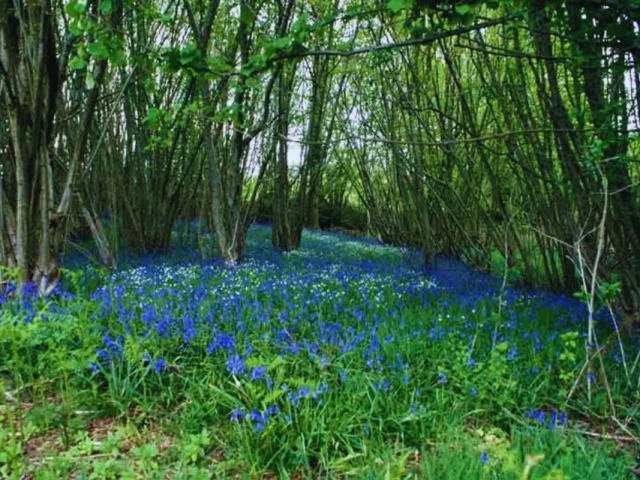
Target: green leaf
(76, 28)
(166, 19)
(396, 5)
(463, 9)
(106, 7)
(78, 63)
(301, 24)
(76, 8)
(98, 50)
(118, 58)
(153, 116)
(247, 15)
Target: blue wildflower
(484, 458)
(273, 410)
(160, 365)
(256, 416)
(303, 392)
(258, 372)
(237, 415)
(235, 365)
(223, 341)
(562, 419)
(552, 420)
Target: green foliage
(439, 416)
(397, 5)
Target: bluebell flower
(235, 365)
(258, 372)
(102, 354)
(256, 416)
(552, 420)
(484, 458)
(442, 379)
(162, 328)
(237, 415)
(222, 341)
(159, 365)
(303, 392)
(273, 410)
(474, 391)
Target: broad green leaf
(78, 63)
(98, 50)
(397, 5)
(76, 8)
(118, 58)
(153, 116)
(247, 15)
(76, 28)
(463, 9)
(106, 6)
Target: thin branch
(407, 43)
(445, 143)
(496, 51)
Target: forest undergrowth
(343, 359)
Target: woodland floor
(344, 359)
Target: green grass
(369, 369)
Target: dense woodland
(469, 128)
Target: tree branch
(407, 43)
